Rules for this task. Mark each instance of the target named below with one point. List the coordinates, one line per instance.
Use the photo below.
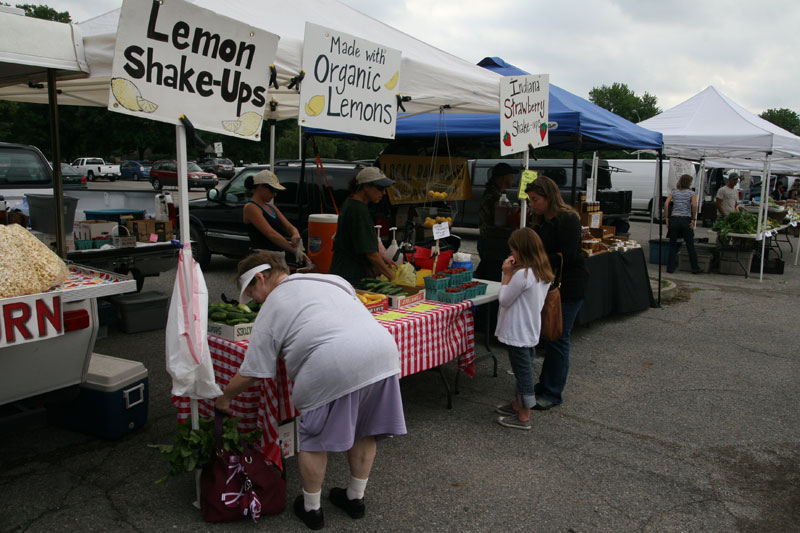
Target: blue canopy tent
(580, 123)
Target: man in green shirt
(355, 246)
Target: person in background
(559, 227)
(345, 368)
(727, 199)
(779, 193)
(355, 246)
(526, 279)
(681, 212)
(267, 228)
(492, 241)
(794, 192)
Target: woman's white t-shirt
(331, 344)
(519, 321)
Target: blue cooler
(113, 400)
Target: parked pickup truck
(24, 170)
(96, 167)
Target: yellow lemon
(315, 105)
(126, 93)
(231, 125)
(250, 122)
(146, 105)
(392, 83)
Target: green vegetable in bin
(244, 307)
(237, 321)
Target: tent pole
(272, 145)
(762, 219)
(657, 200)
(55, 148)
(301, 186)
(575, 150)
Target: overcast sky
(673, 49)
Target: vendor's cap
(501, 169)
(267, 177)
(733, 176)
(373, 176)
(246, 278)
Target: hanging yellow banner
(423, 180)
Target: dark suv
(219, 166)
(217, 225)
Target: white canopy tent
(711, 126)
(430, 77)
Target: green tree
(619, 99)
(44, 12)
(783, 118)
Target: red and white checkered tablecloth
(425, 340)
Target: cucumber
(218, 317)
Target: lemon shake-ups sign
(173, 58)
(524, 102)
(350, 84)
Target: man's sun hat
(267, 177)
(373, 176)
(247, 277)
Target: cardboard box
(87, 230)
(239, 332)
(163, 229)
(415, 295)
(593, 219)
(50, 240)
(377, 307)
(143, 230)
(287, 437)
(138, 229)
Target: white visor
(247, 277)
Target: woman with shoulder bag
(559, 227)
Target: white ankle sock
(311, 500)
(355, 489)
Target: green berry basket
(460, 278)
(451, 297)
(471, 292)
(433, 284)
(480, 288)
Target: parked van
(639, 176)
(559, 170)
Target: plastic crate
(614, 201)
(704, 260)
(728, 263)
(42, 208)
(654, 244)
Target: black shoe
(543, 405)
(354, 508)
(697, 271)
(312, 519)
(670, 271)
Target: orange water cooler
(321, 229)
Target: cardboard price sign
(524, 107)
(176, 58)
(350, 84)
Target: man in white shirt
(728, 196)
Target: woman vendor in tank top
(267, 227)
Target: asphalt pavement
(679, 418)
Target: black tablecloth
(618, 283)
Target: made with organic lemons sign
(173, 58)
(350, 84)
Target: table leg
(446, 386)
(488, 353)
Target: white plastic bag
(188, 358)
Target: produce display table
(426, 338)
(618, 284)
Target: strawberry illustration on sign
(543, 130)
(507, 139)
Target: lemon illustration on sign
(392, 83)
(246, 125)
(315, 105)
(146, 105)
(126, 93)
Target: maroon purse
(236, 485)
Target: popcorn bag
(27, 265)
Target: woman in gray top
(681, 211)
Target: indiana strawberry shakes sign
(524, 103)
(30, 318)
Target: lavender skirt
(375, 410)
